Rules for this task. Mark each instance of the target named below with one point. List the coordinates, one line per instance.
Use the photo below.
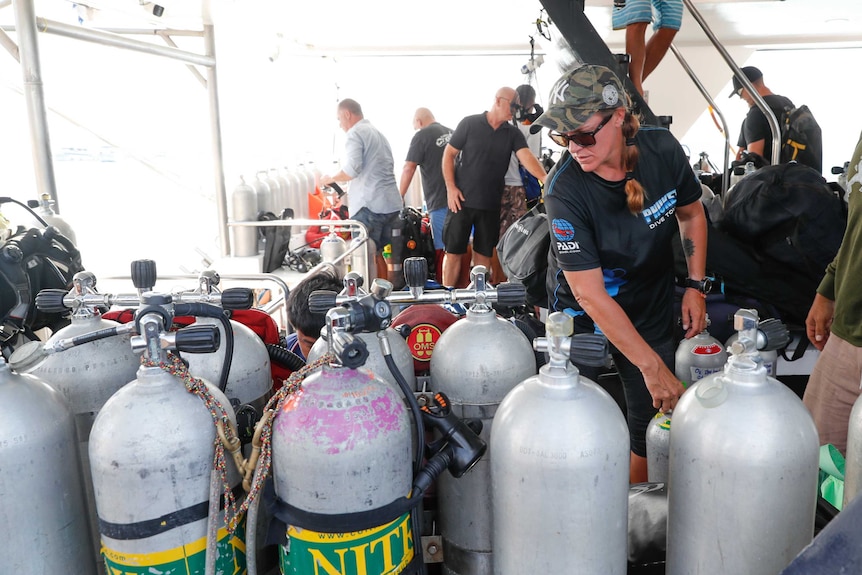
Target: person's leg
(656, 48)
(639, 407)
(437, 218)
(832, 389)
(668, 19)
(486, 231)
(456, 233)
(636, 49)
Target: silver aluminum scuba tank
(42, 497)
(333, 247)
(295, 197)
(151, 455)
(244, 204)
(476, 362)
(44, 208)
(342, 445)
(853, 461)
(560, 467)
(696, 358)
(262, 192)
(87, 374)
(743, 469)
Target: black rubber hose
(207, 310)
(284, 357)
(414, 407)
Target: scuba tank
(333, 247)
(249, 379)
(44, 208)
(560, 466)
(695, 358)
(743, 469)
(156, 482)
(43, 499)
(348, 432)
(244, 203)
(87, 374)
(262, 193)
(476, 362)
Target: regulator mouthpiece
(459, 438)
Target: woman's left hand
(693, 312)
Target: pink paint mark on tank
(341, 410)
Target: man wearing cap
(755, 136)
(615, 201)
(475, 162)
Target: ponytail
(634, 189)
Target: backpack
(801, 138)
(789, 220)
(523, 252)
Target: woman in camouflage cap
(614, 202)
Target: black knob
(237, 298)
(35, 203)
(144, 274)
(152, 298)
(415, 272)
(12, 254)
(511, 294)
(775, 332)
(198, 339)
(589, 349)
(321, 301)
(51, 301)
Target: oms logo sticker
(422, 339)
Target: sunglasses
(582, 139)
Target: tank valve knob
(415, 273)
(321, 301)
(775, 333)
(198, 339)
(144, 274)
(237, 298)
(12, 253)
(589, 349)
(511, 294)
(51, 301)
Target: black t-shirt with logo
(426, 150)
(592, 227)
(480, 169)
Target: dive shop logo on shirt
(564, 232)
(443, 140)
(656, 214)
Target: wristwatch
(704, 286)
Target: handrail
(711, 101)
(363, 233)
(743, 79)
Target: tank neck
(558, 376)
(481, 313)
(746, 369)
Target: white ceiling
(338, 26)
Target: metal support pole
(170, 42)
(215, 129)
(10, 45)
(25, 22)
(709, 99)
(743, 79)
(117, 41)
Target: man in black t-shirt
(755, 135)
(426, 152)
(474, 167)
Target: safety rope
(263, 429)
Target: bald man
(426, 152)
(482, 144)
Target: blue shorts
(662, 13)
(437, 218)
(379, 226)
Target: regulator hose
(284, 357)
(414, 408)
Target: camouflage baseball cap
(579, 94)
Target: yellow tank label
(384, 550)
(189, 559)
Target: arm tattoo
(687, 247)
